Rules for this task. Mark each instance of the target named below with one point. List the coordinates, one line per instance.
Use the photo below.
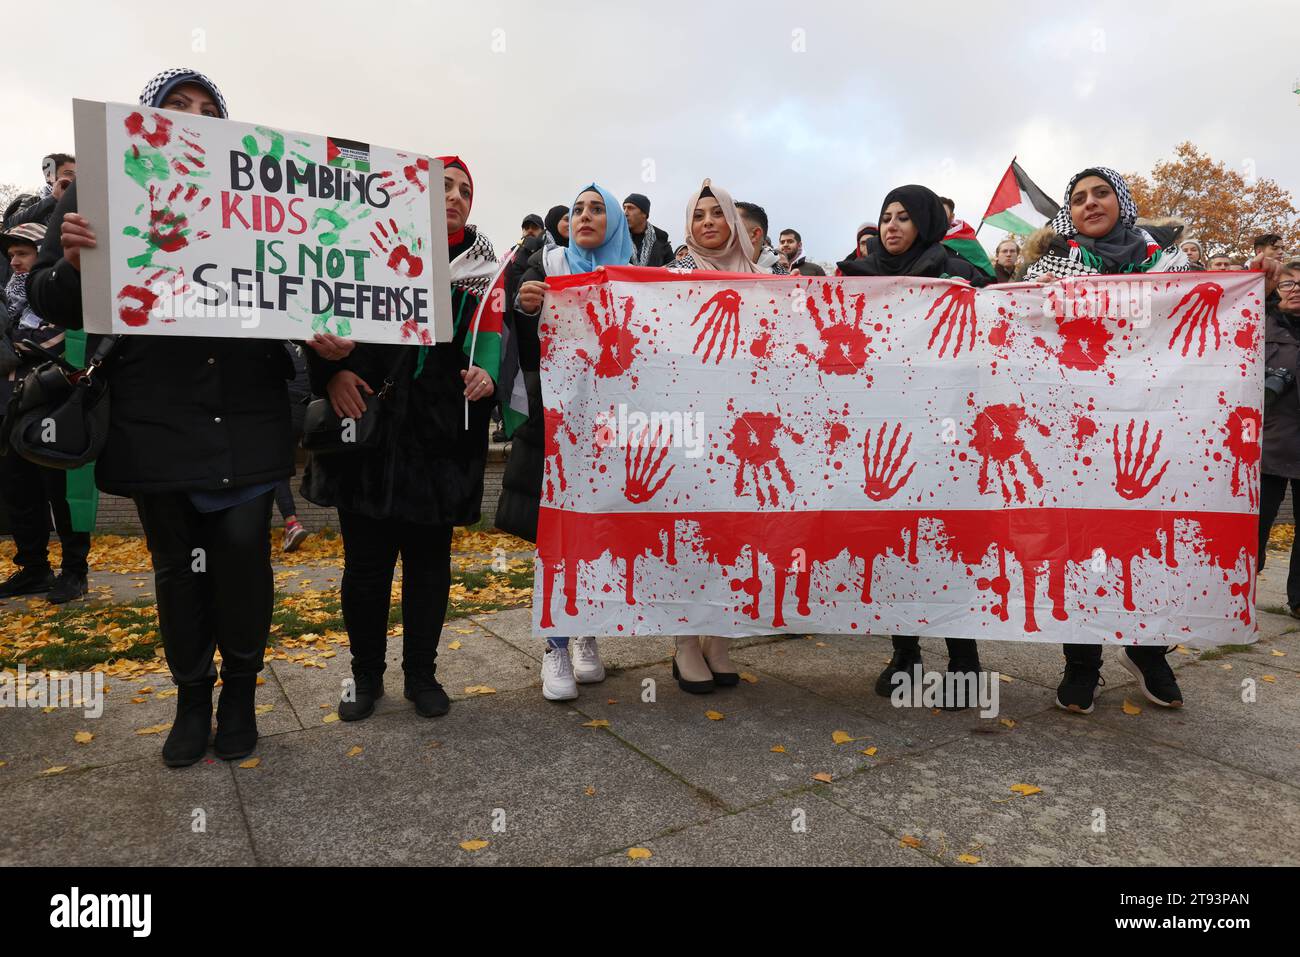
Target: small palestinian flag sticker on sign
(347, 154)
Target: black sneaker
(67, 587)
(1077, 688)
(903, 662)
(429, 698)
(969, 695)
(1154, 676)
(28, 580)
(367, 689)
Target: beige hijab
(733, 257)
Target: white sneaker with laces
(557, 676)
(587, 666)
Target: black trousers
(1272, 490)
(212, 574)
(1090, 655)
(370, 550)
(284, 499)
(961, 650)
(32, 493)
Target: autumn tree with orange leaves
(1222, 207)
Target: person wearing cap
(199, 436)
(650, 245)
(532, 226)
(32, 493)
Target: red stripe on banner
(1042, 540)
(608, 274)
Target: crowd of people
(203, 431)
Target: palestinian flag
(960, 239)
(1018, 205)
(488, 349)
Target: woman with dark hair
(557, 226)
(425, 476)
(913, 222)
(199, 437)
(600, 237)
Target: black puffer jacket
(1281, 438)
(427, 469)
(187, 414)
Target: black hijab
(926, 256)
(553, 218)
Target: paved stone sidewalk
(1215, 783)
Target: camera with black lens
(1276, 383)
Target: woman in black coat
(424, 477)
(199, 436)
(912, 225)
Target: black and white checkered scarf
(167, 80)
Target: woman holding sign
(425, 477)
(199, 436)
(912, 226)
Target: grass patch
(1213, 654)
(80, 637)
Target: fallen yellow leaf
(612, 701)
(454, 646)
(842, 737)
(639, 853)
(748, 678)
(50, 708)
(355, 750)
(1225, 666)
(154, 728)
(331, 717)
(714, 715)
(1007, 723)
(590, 792)
(250, 763)
(1278, 654)
(823, 777)
(263, 708)
(83, 737)
(596, 723)
(1026, 789)
(909, 841)
(871, 751)
(480, 689)
(1005, 678)
(778, 749)
(474, 845)
(3, 763)
(1269, 678)
(968, 858)
(58, 769)
(1131, 708)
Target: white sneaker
(557, 676)
(587, 666)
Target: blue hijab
(616, 250)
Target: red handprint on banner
(554, 457)
(723, 321)
(996, 437)
(395, 244)
(642, 469)
(753, 441)
(958, 304)
(1132, 472)
(882, 469)
(1202, 312)
(845, 345)
(617, 343)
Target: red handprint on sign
(617, 343)
(1243, 442)
(883, 468)
(1131, 473)
(724, 320)
(1202, 303)
(554, 423)
(391, 242)
(996, 437)
(753, 441)
(846, 346)
(642, 470)
(958, 304)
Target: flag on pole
(961, 240)
(489, 348)
(1018, 205)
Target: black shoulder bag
(324, 432)
(58, 414)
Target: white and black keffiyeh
(157, 89)
(1063, 225)
(474, 269)
(688, 264)
(648, 239)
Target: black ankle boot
(430, 700)
(367, 689)
(236, 718)
(968, 697)
(188, 739)
(907, 656)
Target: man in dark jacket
(650, 245)
(60, 170)
(792, 249)
(1280, 441)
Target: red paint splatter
(1202, 314)
(722, 321)
(753, 442)
(845, 347)
(136, 302)
(996, 437)
(617, 342)
(1084, 429)
(1243, 431)
(640, 471)
(1131, 474)
(958, 304)
(158, 137)
(882, 467)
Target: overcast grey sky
(812, 109)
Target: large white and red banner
(735, 455)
